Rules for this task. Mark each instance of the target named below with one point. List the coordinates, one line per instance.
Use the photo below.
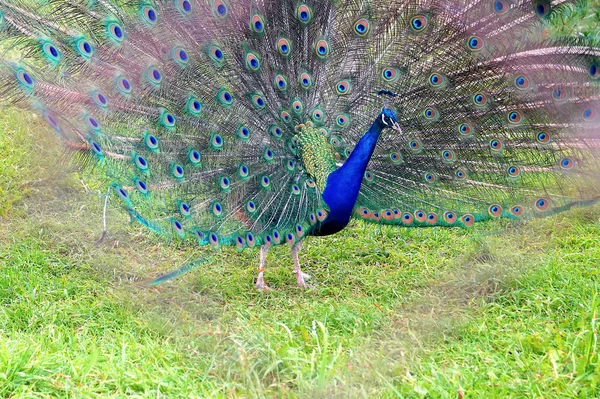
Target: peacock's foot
(260, 281)
(300, 277)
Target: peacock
(255, 123)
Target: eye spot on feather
(167, 120)
(184, 6)
(124, 86)
(543, 137)
(243, 133)
(122, 193)
(559, 95)
(224, 183)
(322, 49)
(343, 88)
(265, 182)
(395, 157)
(177, 171)
(407, 218)
(276, 131)
(180, 56)
(258, 101)
(460, 174)
(420, 216)
(217, 209)
(251, 206)
(51, 121)
(362, 27)
(496, 145)
(415, 146)
(465, 129)
(419, 23)
(250, 240)
(475, 43)
(589, 114)
(480, 100)
(310, 183)
(85, 48)
(495, 210)
(390, 74)
(448, 156)
(318, 115)
(216, 141)
(268, 154)
(151, 142)
(369, 176)
(542, 204)
(321, 215)
(51, 52)
(285, 116)
(450, 217)
(194, 157)
(542, 8)
(284, 47)
(149, 15)
(115, 32)
(257, 24)
(431, 114)
(92, 123)
(243, 171)
(297, 106)
(521, 82)
(252, 62)
(141, 163)
(303, 13)
(141, 186)
(516, 210)
(342, 121)
(224, 97)
(594, 71)
(213, 239)
(184, 209)
(280, 82)
(220, 9)
(432, 218)
(99, 99)
(513, 171)
(216, 54)
(305, 80)
(387, 214)
(468, 220)
(514, 117)
(290, 239)
(436, 80)
(501, 7)
(96, 148)
(566, 164)
(154, 76)
(323, 132)
(430, 178)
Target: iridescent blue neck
(343, 185)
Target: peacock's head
(388, 118)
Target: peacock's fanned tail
(191, 107)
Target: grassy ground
(394, 312)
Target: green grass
(394, 312)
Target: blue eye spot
(284, 48)
(258, 25)
(183, 55)
(218, 54)
(304, 15)
(221, 9)
(417, 24)
(499, 6)
(322, 50)
(118, 32)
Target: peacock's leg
(299, 275)
(260, 280)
